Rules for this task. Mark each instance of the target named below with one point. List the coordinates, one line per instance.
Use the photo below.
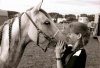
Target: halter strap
(32, 21)
(39, 31)
(56, 33)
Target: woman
(73, 55)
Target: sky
(59, 6)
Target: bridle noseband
(50, 39)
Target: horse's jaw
(44, 44)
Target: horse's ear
(38, 7)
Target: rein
(50, 39)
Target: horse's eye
(47, 22)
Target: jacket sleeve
(77, 61)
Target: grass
(34, 57)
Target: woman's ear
(79, 36)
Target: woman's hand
(60, 48)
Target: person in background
(73, 54)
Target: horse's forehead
(43, 15)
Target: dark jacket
(74, 61)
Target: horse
(23, 29)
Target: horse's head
(44, 23)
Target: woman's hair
(82, 28)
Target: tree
(91, 17)
(70, 17)
(83, 15)
(55, 16)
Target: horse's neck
(16, 51)
(24, 21)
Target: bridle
(50, 39)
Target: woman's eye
(47, 22)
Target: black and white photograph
(49, 33)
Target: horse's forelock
(44, 12)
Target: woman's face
(73, 38)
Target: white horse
(16, 35)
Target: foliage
(83, 15)
(91, 17)
(56, 15)
(70, 17)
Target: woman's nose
(68, 38)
